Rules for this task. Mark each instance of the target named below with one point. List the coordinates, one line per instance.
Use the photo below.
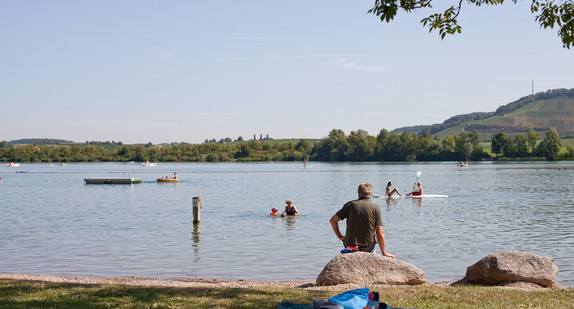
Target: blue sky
(186, 71)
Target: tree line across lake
(337, 146)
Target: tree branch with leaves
(550, 14)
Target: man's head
(365, 190)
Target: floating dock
(112, 181)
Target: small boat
(12, 164)
(148, 163)
(169, 179)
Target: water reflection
(391, 201)
(291, 220)
(275, 221)
(196, 238)
(417, 202)
(396, 201)
(196, 234)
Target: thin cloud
(355, 65)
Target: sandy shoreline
(181, 282)
(222, 283)
(160, 282)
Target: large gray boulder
(513, 266)
(369, 268)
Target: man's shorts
(370, 249)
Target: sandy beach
(224, 283)
(160, 282)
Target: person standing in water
(290, 209)
(389, 192)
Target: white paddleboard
(382, 196)
(413, 196)
(427, 195)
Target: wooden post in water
(196, 209)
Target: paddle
(418, 175)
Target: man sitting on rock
(364, 222)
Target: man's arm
(335, 225)
(381, 241)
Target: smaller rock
(369, 268)
(513, 266)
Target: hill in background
(544, 110)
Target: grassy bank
(37, 294)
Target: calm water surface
(51, 222)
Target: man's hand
(389, 255)
(335, 225)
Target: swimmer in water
(290, 209)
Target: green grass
(454, 131)
(33, 294)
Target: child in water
(273, 211)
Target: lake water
(51, 222)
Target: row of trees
(407, 146)
(239, 139)
(528, 146)
(337, 146)
(207, 152)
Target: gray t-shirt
(362, 217)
